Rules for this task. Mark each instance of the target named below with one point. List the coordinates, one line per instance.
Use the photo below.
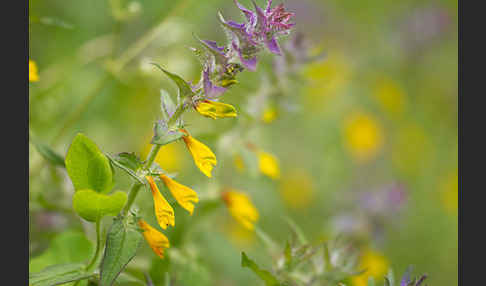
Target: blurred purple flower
(423, 25)
(386, 201)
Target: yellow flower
(297, 190)
(450, 192)
(33, 75)
(185, 196)
(268, 165)
(203, 157)
(390, 95)
(375, 264)
(241, 208)
(363, 136)
(215, 109)
(163, 211)
(157, 241)
(269, 115)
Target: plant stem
(98, 246)
(132, 193)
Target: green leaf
(59, 274)
(87, 167)
(184, 87)
(47, 153)
(128, 280)
(66, 247)
(167, 105)
(122, 243)
(92, 206)
(266, 276)
(162, 134)
(129, 163)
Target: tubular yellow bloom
(203, 157)
(156, 240)
(375, 264)
(163, 211)
(241, 208)
(33, 76)
(215, 109)
(185, 196)
(268, 165)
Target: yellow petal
(185, 196)
(203, 157)
(215, 109)
(268, 165)
(156, 240)
(163, 211)
(33, 76)
(241, 208)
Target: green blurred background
(379, 113)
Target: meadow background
(366, 141)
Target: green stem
(133, 192)
(98, 247)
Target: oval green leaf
(92, 206)
(87, 166)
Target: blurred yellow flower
(297, 189)
(241, 208)
(269, 115)
(155, 239)
(376, 266)
(185, 196)
(390, 95)
(168, 158)
(163, 210)
(215, 109)
(363, 136)
(203, 157)
(33, 75)
(450, 192)
(328, 79)
(268, 165)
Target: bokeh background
(367, 150)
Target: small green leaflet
(87, 167)
(128, 162)
(92, 206)
(59, 274)
(163, 136)
(266, 276)
(122, 243)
